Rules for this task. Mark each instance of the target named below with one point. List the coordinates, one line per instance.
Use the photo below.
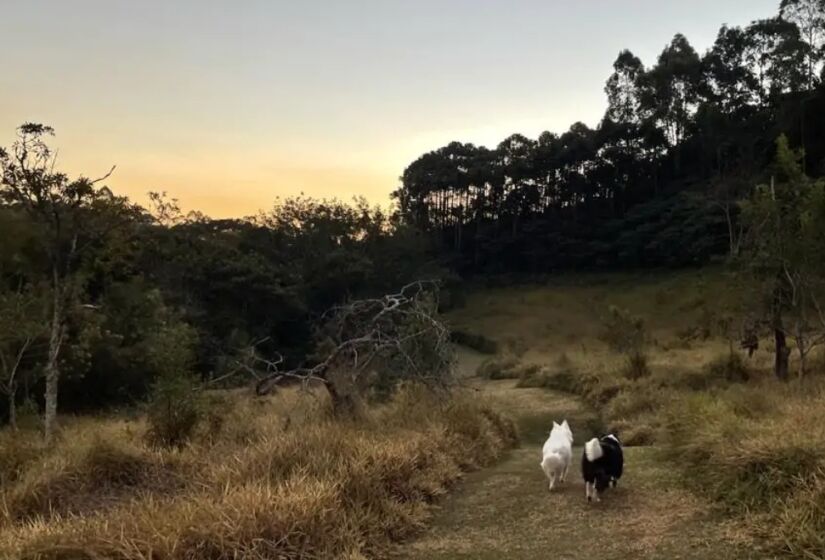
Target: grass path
(506, 512)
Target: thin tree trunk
(734, 244)
(345, 404)
(12, 406)
(782, 354)
(52, 368)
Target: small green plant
(624, 333)
(176, 402)
(174, 411)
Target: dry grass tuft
(753, 445)
(757, 452)
(281, 479)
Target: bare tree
(365, 342)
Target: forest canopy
(93, 286)
(653, 184)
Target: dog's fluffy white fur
(557, 453)
(593, 450)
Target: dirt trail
(506, 512)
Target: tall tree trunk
(782, 354)
(52, 368)
(345, 401)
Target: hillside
(709, 475)
(506, 511)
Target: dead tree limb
(394, 337)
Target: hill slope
(507, 512)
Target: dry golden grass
(279, 479)
(754, 446)
(758, 452)
(506, 511)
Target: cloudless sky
(228, 104)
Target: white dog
(557, 453)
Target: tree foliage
(787, 226)
(689, 130)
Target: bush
(505, 367)
(89, 476)
(757, 450)
(477, 342)
(640, 432)
(17, 450)
(641, 399)
(534, 378)
(174, 410)
(623, 332)
(324, 490)
(800, 520)
(729, 367)
(175, 401)
(636, 366)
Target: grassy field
(271, 478)
(719, 465)
(506, 511)
(715, 422)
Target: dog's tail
(593, 450)
(551, 462)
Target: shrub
(729, 367)
(505, 367)
(622, 331)
(534, 378)
(175, 401)
(636, 366)
(17, 450)
(174, 410)
(757, 450)
(327, 490)
(641, 431)
(638, 400)
(86, 476)
(800, 519)
(477, 342)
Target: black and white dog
(602, 465)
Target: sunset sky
(228, 104)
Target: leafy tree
(672, 89)
(730, 79)
(787, 225)
(21, 325)
(777, 54)
(74, 216)
(622, 89)
(809, 18)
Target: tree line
(99, 296)
(654, 183)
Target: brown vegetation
(281, 479)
